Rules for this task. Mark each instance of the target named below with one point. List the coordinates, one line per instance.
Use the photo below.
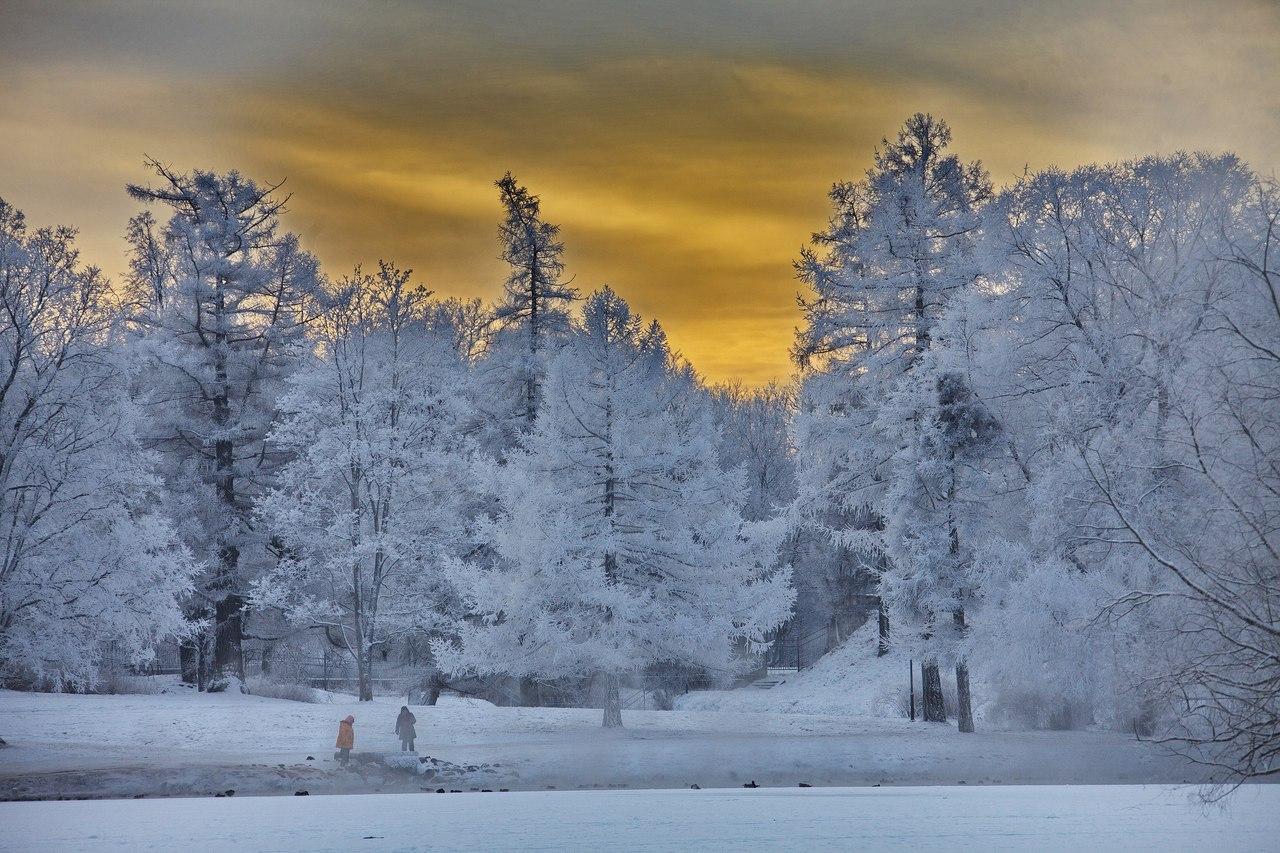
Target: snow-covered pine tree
(755, 435)
(87, 561)
(937, 497)
(528, 324)
(899, 245)
(374, 499)
(222, 301)
(532, 314)
(621, 541)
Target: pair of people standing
(405, 729)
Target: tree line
(1038, 422)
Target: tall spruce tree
(899, 245)
(222, 299)
(533, 307)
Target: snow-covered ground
(850, 680)
(992, 818)
(184, 743)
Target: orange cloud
(685, 150)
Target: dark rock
(805, 785)
(138, 796)
(219, 795)
(486, 790)
(695, 787)
(961, 782)
(455, 791)
(311, 758)
(751, 784)
(504, 790)
(230, 792)
(439, 790)
(302, 793)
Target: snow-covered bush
(123, 683)
(225, 682)
(260, 686)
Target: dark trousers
(407, 745)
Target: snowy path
(993, 818)
(185, 743)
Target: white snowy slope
(184, 743)
(851, 680)
(1162, 818)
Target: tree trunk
(911, 687)
(364, 663)
(189, 662)
(964, 709)
(228, 658)
(882, 648)
(203, 661)
(531, 383)
(935, 710)
(612, 702)
(228, 636)
(964, 705)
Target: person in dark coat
(405, 729)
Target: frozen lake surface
(1016, 817)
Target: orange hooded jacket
(346, 734)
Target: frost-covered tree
(1127, 351)
(621, 542)
(755, 436)
(223, 298)
(375, 498)
(533, 308)
(900, 244)
(937, 497)
(87, 562)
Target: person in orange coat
(346, 738)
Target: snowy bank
(850, 680)
(197, 744)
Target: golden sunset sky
(685, 148)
